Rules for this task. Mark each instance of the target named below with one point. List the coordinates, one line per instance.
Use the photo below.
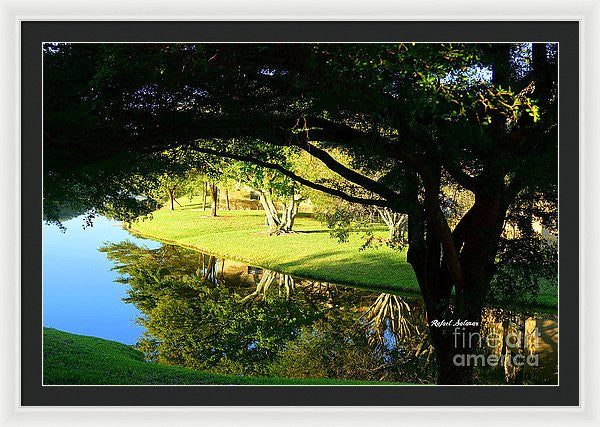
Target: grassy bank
(310, 253)
(78, 359)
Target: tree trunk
(461, 259)
(396, 223)
(214, 192)
(277, 223)
(271, 214)
(458, 348)
(290, 212)
(171, 197)
(227, 198)
(204, 191)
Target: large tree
(415, 116)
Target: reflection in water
(223, 316)
(209, 268)
(514, 337)
(391, 316)
(285, 286)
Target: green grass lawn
(311, 253)
(77, 359)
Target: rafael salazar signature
(442, 323)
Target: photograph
(301, 214)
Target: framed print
(300, 213)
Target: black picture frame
(34, 33)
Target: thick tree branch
(442, 229)
(319, 129)
(303, 181)
(460, 176)
(347, 173)
(323, 129)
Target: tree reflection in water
(223, 316)
(285, 286)
(391, 316)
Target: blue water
(79, 293)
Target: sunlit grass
(77, 359)
(311, 252)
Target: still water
(182, 307)
(79, 295)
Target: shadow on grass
(312, 231)
(191, 206)
(298, 262)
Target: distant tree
(397, 224)
(274, 188)
(216, 172)
(173, 186)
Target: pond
(79, 295)
(181, 307)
